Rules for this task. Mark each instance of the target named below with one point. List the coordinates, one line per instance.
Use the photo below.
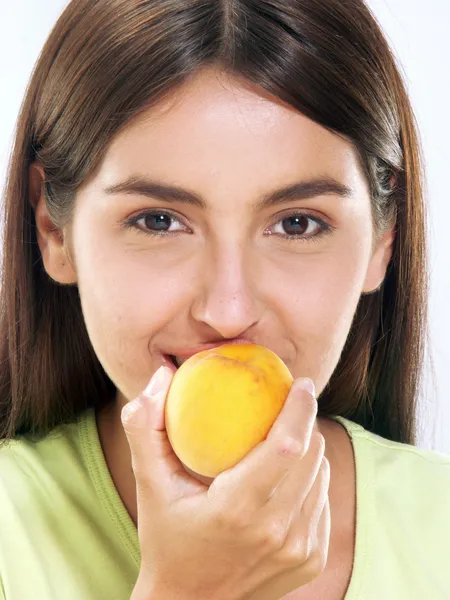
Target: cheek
(319, 301)
(126, 301)
(125, 286)
(322, 287)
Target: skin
(224, 276)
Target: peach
(222, 402)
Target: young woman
(189, 173)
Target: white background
(418, 32)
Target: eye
(159, 220)
(297, 225)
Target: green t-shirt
(66, 535)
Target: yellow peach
(222, 402)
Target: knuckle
(273, 535)
(302, 552)
(139, 470)
(297, 552)
(316, 561)
(143, 481)
(149, 491)
(290, 447)
(324, 469)
(309, 402)
(131, 418)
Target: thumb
(153, 458)
(147, 410)
(158, 471)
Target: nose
(227, 296)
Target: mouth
(176, 361)
(172, 361)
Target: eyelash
(325, 228)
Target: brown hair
(108, 61)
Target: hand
(259, 531)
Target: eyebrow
(302, 190)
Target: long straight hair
(103, 65)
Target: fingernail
(307, 384)
(156, 382)
(130, 409)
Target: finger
(158, 471)
(296, 487)
(310, 519)
(306, 564)
(303, 572)
(285, 512)
(320, 544)
(253, 480)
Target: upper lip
(188, 352)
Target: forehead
(216, 126)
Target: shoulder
(412, 482)
(399, 466)
(400, 455)
(406, 489)
(402, 462)
(30, 469)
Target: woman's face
(227, 269)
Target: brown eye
(296, 225)
(154, 223)
(160, 222)
(300, 227)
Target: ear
(378, 264)
(50, 239)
